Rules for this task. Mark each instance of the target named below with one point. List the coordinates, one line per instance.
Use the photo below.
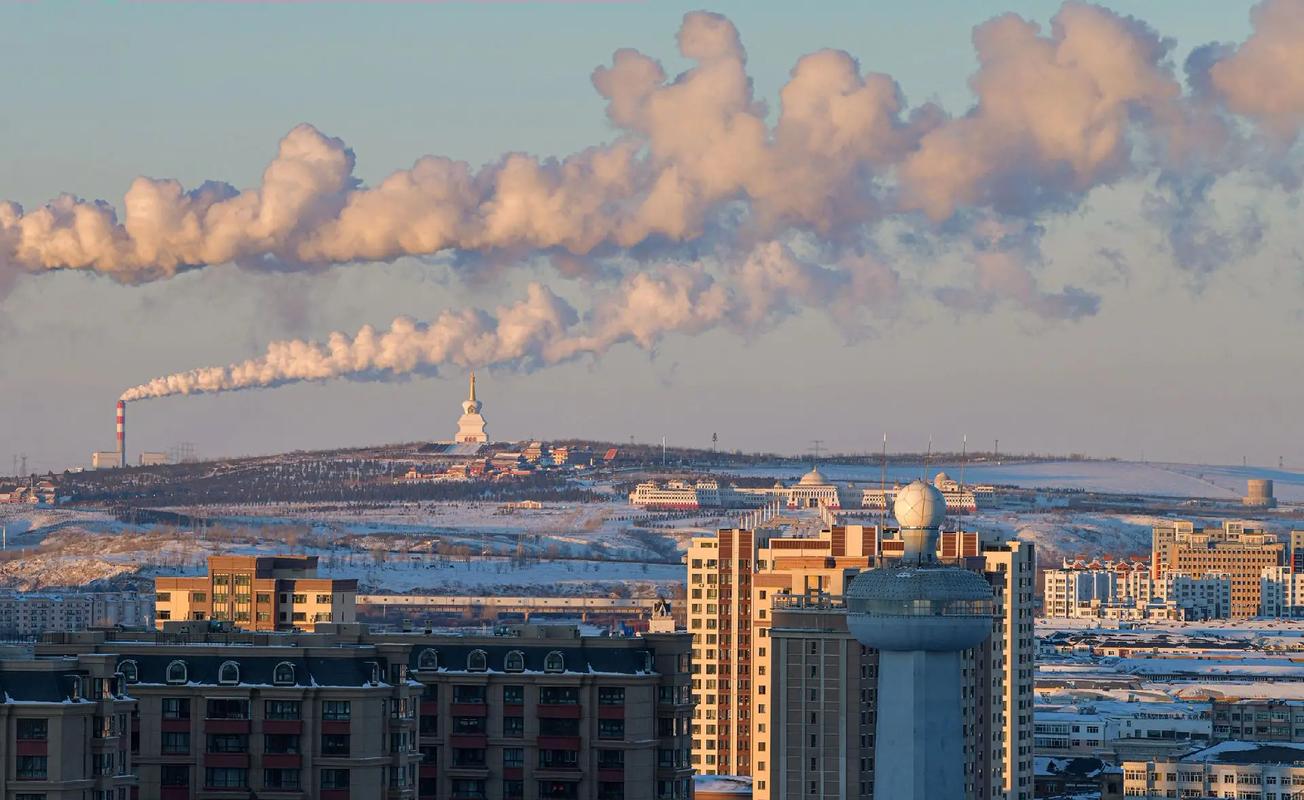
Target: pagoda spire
(472, 397)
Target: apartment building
(1123, 590)
(1258, 771)
(735, 723)
(29, 614)
(529, 712)
(261, 593)
(66, 728)
(1237, 550)
(1258, 720)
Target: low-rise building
(1258, 720)
(529, 711)
(262, 593)
(1227, 769)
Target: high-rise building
(261, 593)
(1236, 549)
(805, 568)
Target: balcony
(563, 711)
(286, 726)
(469, 709)
(225, 726)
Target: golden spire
(472, 397)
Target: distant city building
(1116, 730)
(529, 711)
(1237, 550)
(1258, 720)
(33, 492)
(1258, 494)
(471, 425)
(959, 498)
(29, 614)
(106, 459)
(148, 459)
(1125, 590)
(684, 496)
(262, 593)
(1226, 769)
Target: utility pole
(817, 445)
(996, 452)
(663, 451)
(23, 459)
(715, 439)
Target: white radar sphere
(919, 505)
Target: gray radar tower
(920, 615)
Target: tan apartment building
(261, 593)
(1236, 549)
(734, 722)
(823, 686)
(66, 725)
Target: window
(428, 660)
(611, 695)
(468, 788)
(468, 725)
(228, 708)
(129, 672)
(513, 757)
(300, 598)
(177, 672)
(513, 790)
(283, 675)
(468, 757)
(281, 743)
(611, 729)
(263, 598)
(163, 597)
(559, 695)
(611, 759)
(559, 727)
(554, 662)
(477, 661)
(176, 708)
(33, 729)
(558, 759)
(335, 744)
(33, 768)
(176, 742)
(513, 695)
(513, 727)
(229, 673)
(324, 599)
(228, 743)
(283, 779)
(282, 709)
(199, 597)
(514, 662)
(226, 777)
(335, 709)
(174, 774)
(335, 779)
(468, 694)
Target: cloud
(1263, 78)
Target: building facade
(262, 593)
(1228, 769)
(532, 712)
(67, 724)
(1237, 550)
(734, 668)
(26, 615)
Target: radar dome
(941, 479)
(918, 506)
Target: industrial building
(261, 593)
(528, 711)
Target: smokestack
(122, 433)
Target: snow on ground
(1059, 535)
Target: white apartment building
(25, 615)
(1123, 590)
(1282, 592)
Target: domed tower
(920, 615)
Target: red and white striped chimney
(122, 433)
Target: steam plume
(1057, 114)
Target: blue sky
(194, 91)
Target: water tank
(1259, 493)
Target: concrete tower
(920, 615)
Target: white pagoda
(470, 428)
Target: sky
(1150, 358)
